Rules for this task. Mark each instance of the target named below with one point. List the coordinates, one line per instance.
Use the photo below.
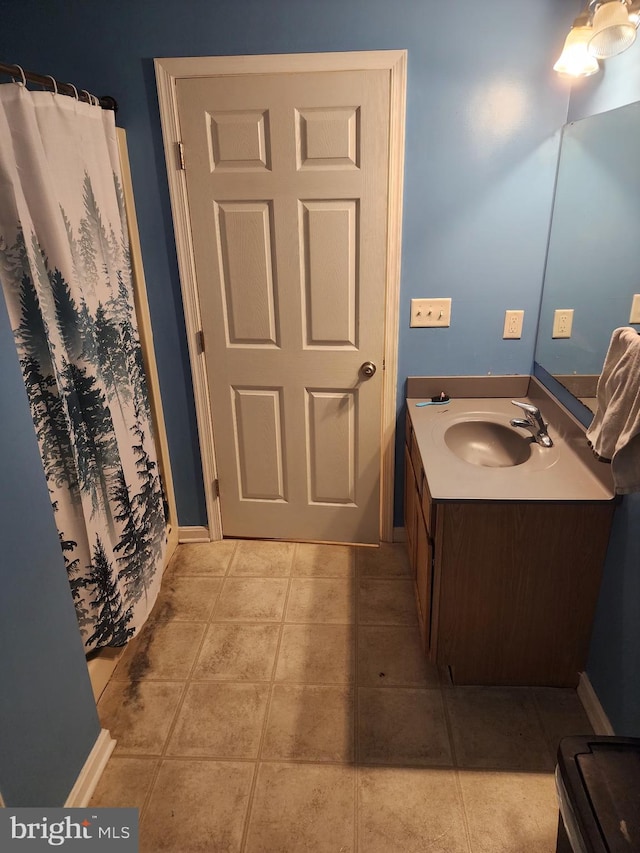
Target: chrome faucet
(534, 422)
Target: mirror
(593, 258)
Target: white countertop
(560, 473)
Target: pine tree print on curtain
(66, 276)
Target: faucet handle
(534, 422)
(527, 407)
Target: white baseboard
(193, 534)
(591, 704)
(101, 667)
(90, 774)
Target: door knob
(368, 368)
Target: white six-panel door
(323, 141)
(288, 204)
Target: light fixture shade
(575, 60)
(613, 32)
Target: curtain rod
(15, 71)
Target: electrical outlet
(634, 317)
(562, 323)
(513, 324)
(430, 312)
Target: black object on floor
(598, 782)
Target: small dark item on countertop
(435, 401)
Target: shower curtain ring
(54, 82)
(91, 99)
(24, 76)
(74, 90)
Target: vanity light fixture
(575, 59)
(613, 31)
(603, 29)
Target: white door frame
(168, 71)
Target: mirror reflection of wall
(593, 261)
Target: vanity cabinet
(418, 524)
(505, 590)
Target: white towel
(614, 433)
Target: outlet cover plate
(513, 324)
(562, 323)
(634, 317)
(430, 312)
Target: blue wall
(483, 123)
(48, 720)
(483, 114)
(614, 658)
(616, 84)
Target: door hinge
(180, 151)
(384, 364)
(200, 341)
(216, 488)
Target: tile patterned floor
(277, 701)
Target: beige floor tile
(386, 561)
(139, 714)
(328, 600)
(197, 806)
(209, 558)
(496, 728)
(394, 657)
(509, 812)
(329, 561)
(162, 650)
(255, 558)
(251, 600)
(186, 599)
(402, 810)
(124, 783)
(309, 723)
(303, 808)
(237, 652)
(409, 794)
(402, 727)
(220, 720)
(321, 654)
(561, 713)
(386, 602)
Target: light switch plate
(513, 324)
(562, 323)
(634, 317)
(430, 312)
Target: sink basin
(488, 444)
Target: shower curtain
(66, 276)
